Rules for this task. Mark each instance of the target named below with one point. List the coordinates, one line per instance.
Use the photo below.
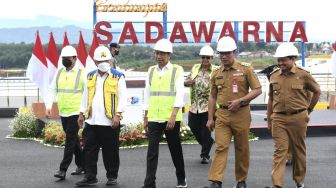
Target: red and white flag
(65, 43)
(37, 70)
(52, 57)
(90, 64)
(81, 52)
(65, 40)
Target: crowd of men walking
(219, 102)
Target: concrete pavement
(28, 164)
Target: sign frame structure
(237, 30)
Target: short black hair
(114, 45)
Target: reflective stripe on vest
(172, 84)
(75, 90)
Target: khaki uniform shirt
(222, 81)
(290, 91)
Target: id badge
(235, 88)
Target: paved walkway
(28, 164)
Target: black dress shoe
(78, 171)
(289, 162)
(214, 185)
(111, 181)
(300, 185)
(60, 174)
(182, 183)
(240, 184)
(204, 160)
(273, 186)
(86, 182)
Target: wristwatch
(243, 103)
(119, 115)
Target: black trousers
(72, 145)
(96, 137)
(155, 131)
(197, 124)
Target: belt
(227, 107)
(291, 113)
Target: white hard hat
(68, 51)
(206, 50)
(164, 45)
(286, 49)
(102, 53)
(226, 44)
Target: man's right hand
(146, 124)
(211, 125)
(334, 46)
(189, 82)
(80, 120)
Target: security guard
(104, 100)
(230, 86)
(199, 83)
(67, 86)
(288, 113)
(162, 104)
(114, 48)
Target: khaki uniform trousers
(289, 130)
(228, 124)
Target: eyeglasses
(206, 57)
(224, 53)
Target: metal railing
(20, 91)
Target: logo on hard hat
(103, 54)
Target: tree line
(137, 57)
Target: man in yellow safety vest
(68, 85)
(199, 83)
(104, 100)
(163, 101)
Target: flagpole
(38, 95)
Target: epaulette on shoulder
(216, 68)
(116, 72)
(303, 69)
(275, 70)
(245, 64)
(92, 73)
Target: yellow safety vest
(196, 68)
(69, 89)
(110, 92)
(163, 93)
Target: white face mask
(104, 67)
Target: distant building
(257, 54)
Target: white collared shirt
(179, 87)
(52, 92)
(98, 116)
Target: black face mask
(67, 63)
(116, 52)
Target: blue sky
(318, 15)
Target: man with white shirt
(67, 86)
(104, 100)
(163, 102)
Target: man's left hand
(234, 105)
(115, 122)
